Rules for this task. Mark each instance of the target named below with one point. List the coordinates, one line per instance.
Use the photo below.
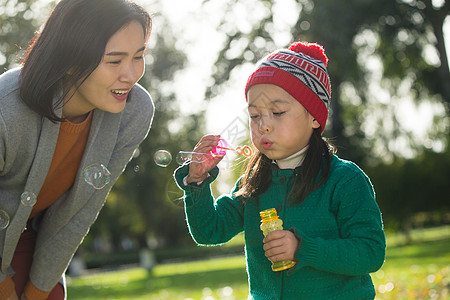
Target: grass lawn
(418, 270)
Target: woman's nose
(130, 73)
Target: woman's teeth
(119, 92)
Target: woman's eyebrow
(118, 53)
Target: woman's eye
(278, 113)
(116, 62)
(139, 57)
(254, 116)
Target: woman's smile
(120, 94)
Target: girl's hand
(198, 171)
(280, 245)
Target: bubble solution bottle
(269, 223)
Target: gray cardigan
(27, 143)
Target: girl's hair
(258, 174)
(73, 42)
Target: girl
(74, 102)
(333, 227)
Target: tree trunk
(337, 124)
(437, 18)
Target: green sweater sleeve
(210, 222)
(360, 248)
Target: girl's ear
(315, 124)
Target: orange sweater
(69, 150)
(66, 160)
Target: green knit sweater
(339, 228)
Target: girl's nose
(265, 125)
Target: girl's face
(108, 86)
(280, 126)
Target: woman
(74, 103)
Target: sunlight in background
(196, 27)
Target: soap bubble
(4, 219)
(28, 198)
(163, 158)
(174, 194)
(184, 157)
(97, 175)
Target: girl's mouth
(266, 144)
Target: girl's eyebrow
(272, 102)
(279, 101)
(117, 53)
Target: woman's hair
(258, 174)
(73, 42)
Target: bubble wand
(219, 150)
(240, 150)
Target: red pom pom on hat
(311, 49)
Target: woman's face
(108, 86)
(280, 126)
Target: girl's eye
(116, 62)
(139, 57)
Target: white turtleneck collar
(293, 161)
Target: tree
(402, 32)
(18, 22)
(407, 188)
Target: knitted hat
(301, 71)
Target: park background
(390, 114)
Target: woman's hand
(202, 163)
(280, 245)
